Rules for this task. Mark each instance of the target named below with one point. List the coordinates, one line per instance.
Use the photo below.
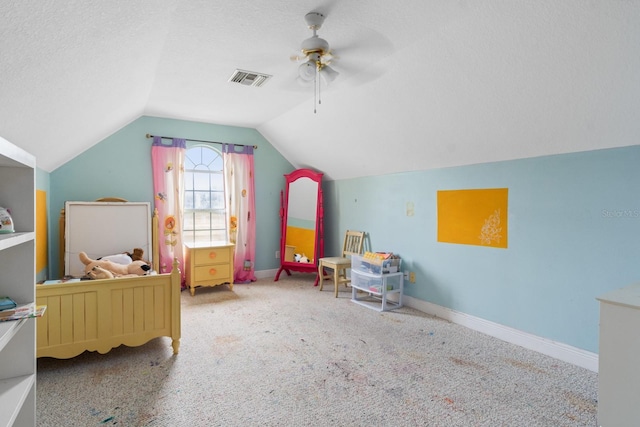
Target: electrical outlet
(412, 277)
(410, 208)
(277, 254)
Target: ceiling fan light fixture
(328, 74)
(307, 71)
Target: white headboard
(105, 228)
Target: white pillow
(123, 259)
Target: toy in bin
(381, 262)
(378, 288)
(6, 223)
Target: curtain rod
(255, 147)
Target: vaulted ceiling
(423, 83)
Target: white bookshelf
(17, 280)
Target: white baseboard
(560, 351)
(265, 274)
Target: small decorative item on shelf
(6, 223)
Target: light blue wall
(574, 226)
(120, 165)
(574, 222)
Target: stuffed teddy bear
(105, 269)
(137, 255)
(98, 272)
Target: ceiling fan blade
(304, 83)
(292, 82)
(357, 74)
(366, 45)
(298, 57)
(328, 58)
(361, 59)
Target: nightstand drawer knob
(212, 255)
(213, 271)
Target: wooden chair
(353, 244)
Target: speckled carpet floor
(285, 354)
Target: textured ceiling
(423, 84)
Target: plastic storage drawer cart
(372, 287)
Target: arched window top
(203, 157)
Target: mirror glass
(302, 213)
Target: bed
(99, 315)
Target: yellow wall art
(41, 230)
(473, 217)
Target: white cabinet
(372, 288)
(618, 373)
(17, 280)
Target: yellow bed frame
(98, 315)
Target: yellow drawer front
(209, 256)
(212, 272)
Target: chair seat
(335, 261)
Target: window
(205, 218)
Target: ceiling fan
(316, 56)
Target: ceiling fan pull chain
(315, 93)
(319, 83)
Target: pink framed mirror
(301, 215)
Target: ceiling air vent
(249, 78)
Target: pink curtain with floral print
(240, 192)
(167, 160)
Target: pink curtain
(168, 170)
(240, 192)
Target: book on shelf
(23, 311)
(7, 303)
(7, 312)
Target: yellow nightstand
(208, 264)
